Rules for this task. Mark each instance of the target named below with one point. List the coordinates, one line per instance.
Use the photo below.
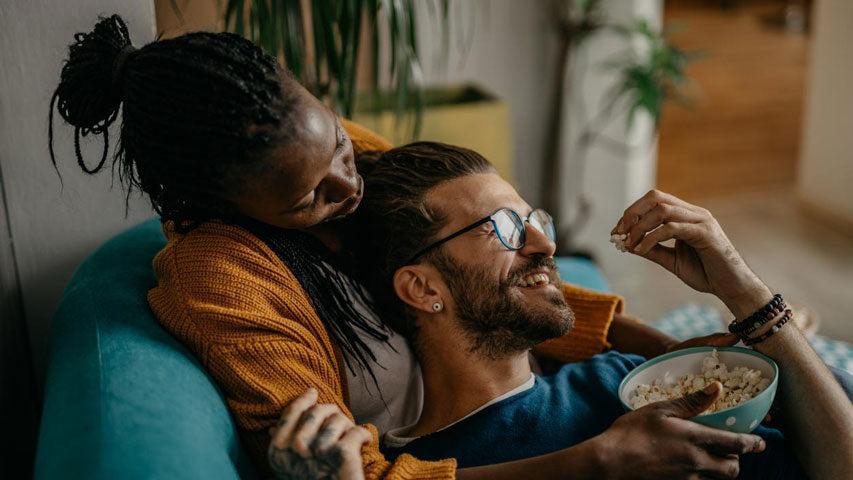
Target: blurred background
(744, 107)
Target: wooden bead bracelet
(760, 317)
(769, 333)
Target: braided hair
(200, 115)
(200, 111)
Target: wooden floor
(744, 131)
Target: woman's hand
(629, 335)
(703, 257)
(316, 441)
(713, 340)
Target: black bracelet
(747, 329)
(769, 333)
(759, 315)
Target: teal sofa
(125, 400)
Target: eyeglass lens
(510, 227)
(542, 222)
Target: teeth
(534, 279)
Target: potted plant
(649, 71)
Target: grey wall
(53, 228)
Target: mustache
(538, 262)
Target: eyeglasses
(508, 225)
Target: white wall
(511, 54)
(613, 177)
(826, 160)
(53, 229)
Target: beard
(498, 319)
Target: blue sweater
(577, 403)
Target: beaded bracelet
(759, 315)
(769, 333)
(749, 328)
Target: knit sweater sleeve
(245, 316)
(593, 315)
(364, 139)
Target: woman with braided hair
(248, 172)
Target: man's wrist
(594, 452)
(748, 300)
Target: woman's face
(310, 180)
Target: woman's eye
(307, 206)
(341, 139)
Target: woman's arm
(629, 335)
(242, 313)
(656, 441)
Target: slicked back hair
(395, 221)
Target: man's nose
(537, 243)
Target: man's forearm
(577, 462)
(817, 413)
(814, 407)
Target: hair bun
(90, 88)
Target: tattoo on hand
(308, 417)
(321, 439)
(287, 464)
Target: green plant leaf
(278, 26)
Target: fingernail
(761, 445)
(710, 389)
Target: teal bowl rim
(680, 353)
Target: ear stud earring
(436, 307)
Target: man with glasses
(464, 268)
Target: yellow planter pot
(466, 116)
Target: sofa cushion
(123, 399)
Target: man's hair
(394, 220)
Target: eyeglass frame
(464, 230)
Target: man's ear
(416, 286)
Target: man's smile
(535, 280)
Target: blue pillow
(582, 272)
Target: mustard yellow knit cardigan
(240, 310)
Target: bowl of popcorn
(749, 384)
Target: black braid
(199, 114)
(317, 268)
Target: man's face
(501, 303)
